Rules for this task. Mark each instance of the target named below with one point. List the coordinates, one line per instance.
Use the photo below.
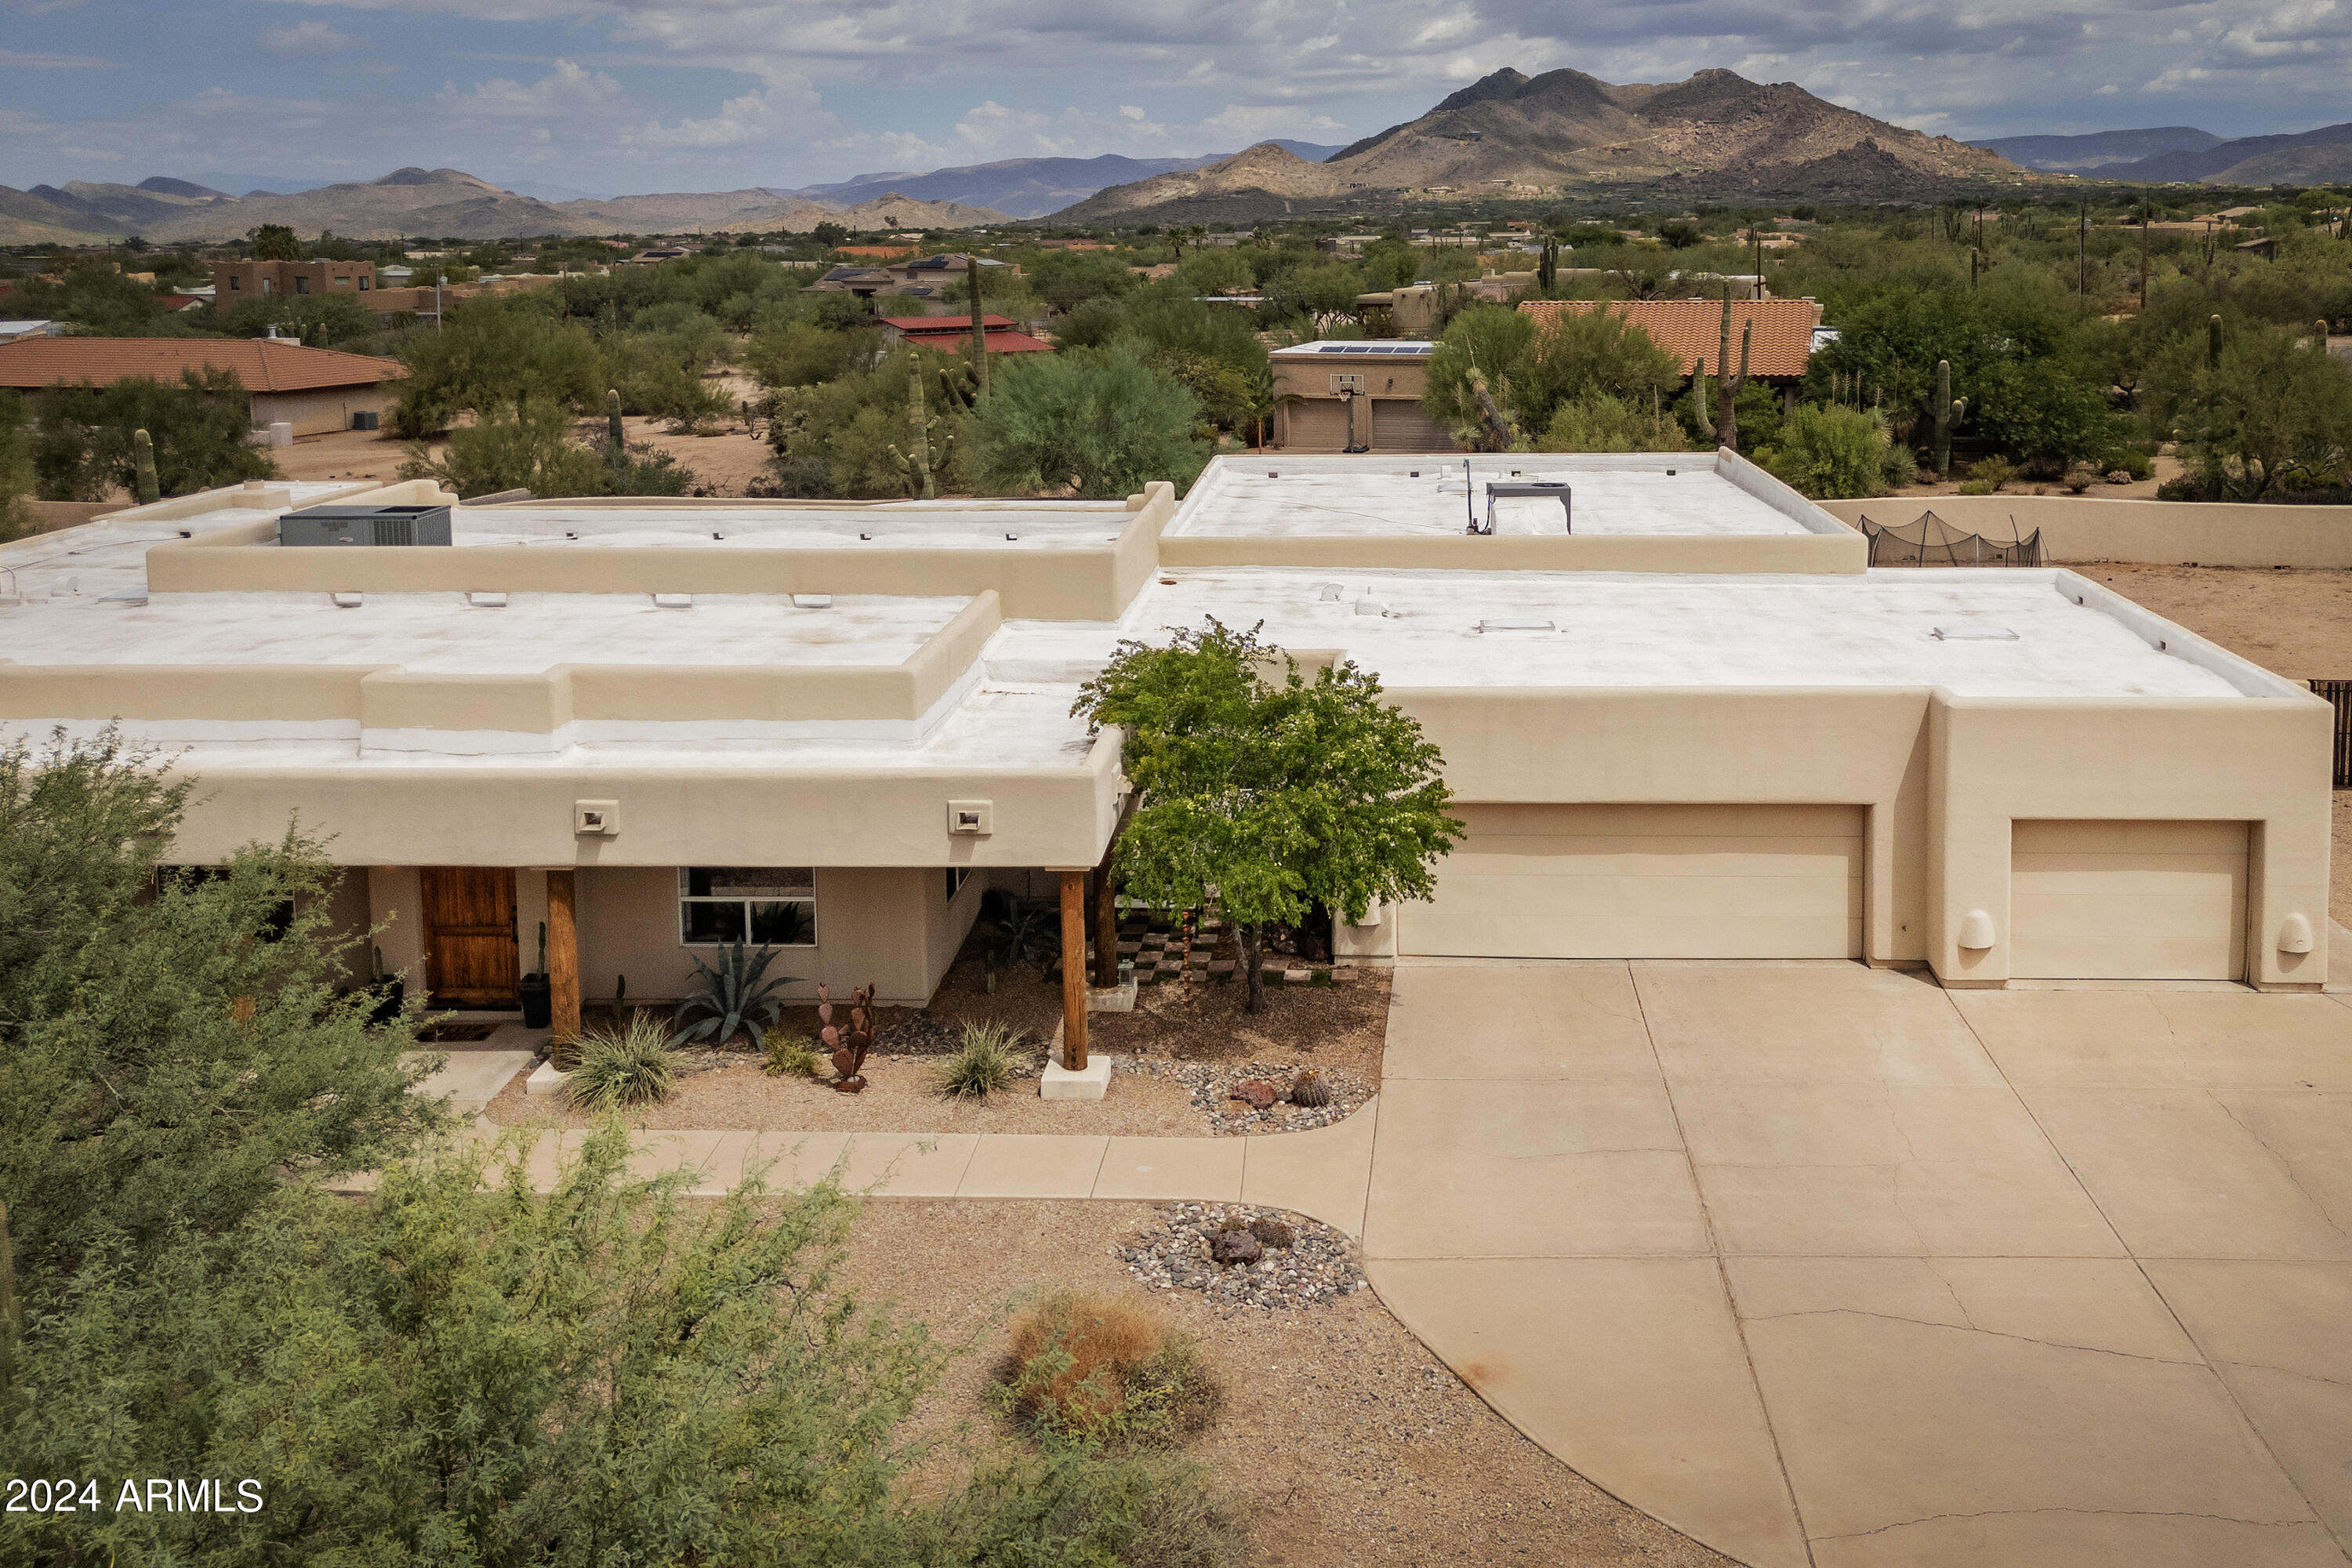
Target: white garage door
(1646, 881)
(2128, 900)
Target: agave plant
(732, 995)
(1031, 932)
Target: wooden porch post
(1073, 970)
(562, 958)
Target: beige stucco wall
(395, 897)
(2087, 528)
(319, 411)
(889, 926)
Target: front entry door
(469, 936)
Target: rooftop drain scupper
(481, 601)
(1517, 624)
(811, 601)
(1977, 632)
(674, 601)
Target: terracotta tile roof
(1780, 347)
(261, 364)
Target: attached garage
(1316, 425)
(1400, 425)
(1646, 881)
(2128, 900)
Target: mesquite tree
(1268, 790)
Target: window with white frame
(759, 904)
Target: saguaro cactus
(978, 327)
(916, 462)
(143, 457)
(1699, 395)
(1729, 386)
(2213, 339)
(1547, 267)
(616, 451)
(1948, 411)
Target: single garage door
(1318, 424)
(1646, 881)
(1400, 425)
(2128, 900)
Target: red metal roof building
(949, 334)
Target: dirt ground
(2161, 468)
(2295, 623)
(1347, 1440)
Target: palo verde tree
(1264, 789)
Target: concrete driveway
(1826, 1265)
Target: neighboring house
(1360, 395)
(952, 334)
(1678, 718)
(235, 282)
(923, 279)
(1780, 332)
(10, 330)
(314, 390)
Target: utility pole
(439, 278)
(2083, 248)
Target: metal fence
(2339, 694)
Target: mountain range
(439, 202)
(1513, 134)
(1031, 187)
(2182, 153)
(2099, 150)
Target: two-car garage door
(2128, 900)
(1646, 881)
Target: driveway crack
(2087, 1512)
(1972, 1329)
(2287, 1167)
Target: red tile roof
(261, 364)
(1780, 347)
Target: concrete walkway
(1827, 1266)
(1819, 1265)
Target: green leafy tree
(1835, 454)
(82, 451)
(2271, 413)
(491, 355)
(1600, 422)
(836, 438)
(1066, 279)
(803, 353)
(1487, 343)
(1322, 293)
(1100, 421)
(1268, 791)
(273, 242)
(319, 320)
(16, 475)
(531, 449)
(94, 297)
(1580, 356)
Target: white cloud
(761, 117)
(1128, 110)
(568, 98)
(308, 38)
(36, 62)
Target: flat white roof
(1665, 495)
(937, 526)
(1874, 629)
(1365, 348)
(442, 632)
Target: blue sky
(614, 95)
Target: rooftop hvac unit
(378, 525)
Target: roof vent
(125, 596)
(1977, 632)
(1329, 593)
(487, 601)
(673, 601)
(1516, 624)
(346, 600)
(1370, 608)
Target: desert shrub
(988, 1061)
(17, 477)
(1601, 423)
(632, 1065)
(1987, 475)
(532, 450)
(198, 423)
(803, 353)
(790, 1054)
(1100, 1369)
(1833, 453)
(1070, 1505)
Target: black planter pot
(388, 994)
(538, 1001)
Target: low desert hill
(2320, 157)
(1510, 133)
(2097, 150)
(439, 202)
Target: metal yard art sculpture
(847, 1046)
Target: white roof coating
(954, 525)
(109, 556)
(1278, 499)
(443, 632)
(1872, 629)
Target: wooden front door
(469, 936)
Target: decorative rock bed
(1213, 1088)
(1283, 1262)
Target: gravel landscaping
(1345, 1440)
(1237, 1256)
